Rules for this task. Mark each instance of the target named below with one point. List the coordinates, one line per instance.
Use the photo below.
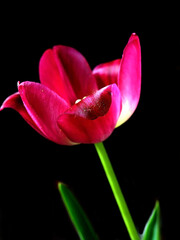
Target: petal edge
(44, 106)
(130, 78)
(14, 101)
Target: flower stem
(117, 191)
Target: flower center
(94, 106)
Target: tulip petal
(92, 119)
(65, 71)
(130, 78)
(15, 102)
(107, 73)
(44, 106)
(50, 75)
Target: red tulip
(73, 104)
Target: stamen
(78, 100)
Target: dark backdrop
(142, 150)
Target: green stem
(117, 191)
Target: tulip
(74, 104)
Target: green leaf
(152, 228)
(77, 214)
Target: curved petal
(92, 119)
(65, 71)
(14, 101)
(107, 73)
(44, 106)
(130, 78)
(50, 75)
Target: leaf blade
(152, 227)
(76, 213)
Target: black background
(142, 151)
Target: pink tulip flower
(73, 104)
